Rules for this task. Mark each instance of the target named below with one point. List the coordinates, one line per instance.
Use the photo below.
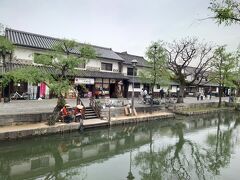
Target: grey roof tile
(129, 57)
(27, 39)
(79, 73)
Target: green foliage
(30, 74)
(223, 66)
(226, 11)
(62, 56)
(6, 47)
(157, 58)
(60, 87)
(62, 59)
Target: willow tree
(226, 11)
(6, 50)
(157, 72)
(184, 53)
(222, 68)
(64, 57)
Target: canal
(199, 147)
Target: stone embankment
(37, 126)
(201, 108)
(38, 129)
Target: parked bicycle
(17, 96)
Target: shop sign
(84, 81)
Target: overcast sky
(123, 25)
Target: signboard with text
(84, 81)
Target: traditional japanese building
(101, 74)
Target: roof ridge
(129, 54)
(54, 38)
(30, 33)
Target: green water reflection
(205, 147)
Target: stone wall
(179, 107)
(119, 111)
(23, 118)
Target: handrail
(95, 106)
(79, 101)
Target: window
(82, 65)
(136, 85)
(130, 72)
(158, 86)
(106, 66)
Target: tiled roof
(79, 73)
(99, 74)
(27, 39)
(129, 57)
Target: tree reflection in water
(187, 159)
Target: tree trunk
(55, 115)
(152, 98)
(180, 94)
(238, 91)
(220, 95)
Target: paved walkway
(47, 105)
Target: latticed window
(106, 66)
(130, 72)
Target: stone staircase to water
(90, 113)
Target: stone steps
(90, 113)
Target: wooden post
(109, 115)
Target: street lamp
(155, 74)
(134, 63)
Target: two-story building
(110, 72)
(142, 64)
(101, 74)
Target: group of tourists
(201, 95)
(70, 114)
(144, 94)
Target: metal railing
(96, 106)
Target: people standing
(144, 95)
(198, 96)
(210, 94)
(161, 93)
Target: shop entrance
(112, 91)
(90, 90)
(147, 87)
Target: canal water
(204, 147)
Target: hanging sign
(84, 81)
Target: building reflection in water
(63, 156)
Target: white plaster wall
(124, 70)
(135, 89)
(26, 54)
(165, 88)
(96, 63)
